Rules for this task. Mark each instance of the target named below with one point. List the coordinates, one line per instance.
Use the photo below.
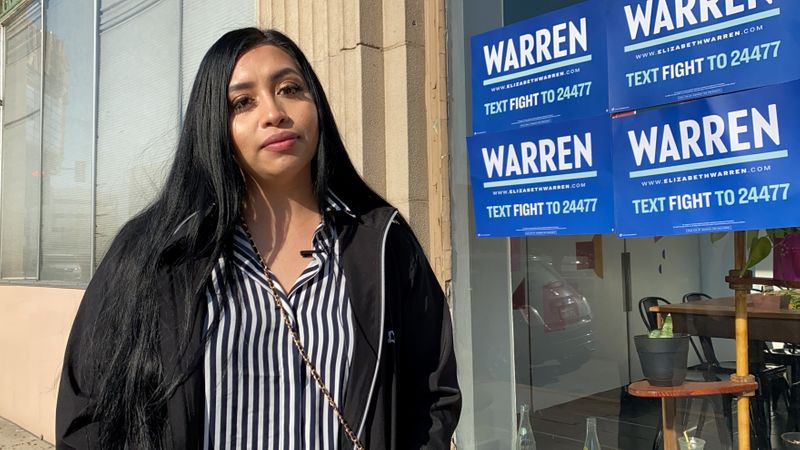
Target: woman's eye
(290, 89)
(241, 103)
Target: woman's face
(273, 120)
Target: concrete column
(343, 41)
(371, 58)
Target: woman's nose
(273, 113)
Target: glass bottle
(525, 439)
(592, 442)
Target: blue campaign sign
(664, 51)
(720, 164)
(548, 68)
(543, 180)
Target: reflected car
(555, 323)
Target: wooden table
(715, 318)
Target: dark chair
(650, 318)
(771, 379)
(789, 356)
(651, 323)
(709, 355)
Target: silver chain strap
(300, 348)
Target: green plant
(665, 331)
(759, 247)
(794, 297)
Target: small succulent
(794, 297)
(665, 331)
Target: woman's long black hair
(205, 183)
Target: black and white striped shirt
(259, 392)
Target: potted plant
(770, 299)
(663, 355)
(794, 297)
(786, 245)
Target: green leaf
(666, 329)
(760, 248)
(751, 237)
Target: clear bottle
(525, 439)
(592, 442)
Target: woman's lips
(279, 142)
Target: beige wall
(34, 326)
(382, 65)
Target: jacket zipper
(383, 318)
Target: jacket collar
(337, 205)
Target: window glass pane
(139, 110)
(203, 23)
(21, 171)
(571, 305)
(138, 103)
(516, 10)
(67, 139)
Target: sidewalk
(14, 437)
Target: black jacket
(402, 391)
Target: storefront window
(573, 327)
(516, 10)
(86, 140)
(21, 151)
(140, 110)
(67, 142)
(549, 322)
(47, 143)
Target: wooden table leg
(742, 359)
(668, 415)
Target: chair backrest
(705, 342)
(695, 297)
(649, 318)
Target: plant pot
(663, 359)
(769, 301)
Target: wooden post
(742, 358)
(439, 251)
(670, 435)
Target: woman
(268, 298)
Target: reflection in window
(21, 170)
(67, 142)
(50, 121)
(516, 10)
